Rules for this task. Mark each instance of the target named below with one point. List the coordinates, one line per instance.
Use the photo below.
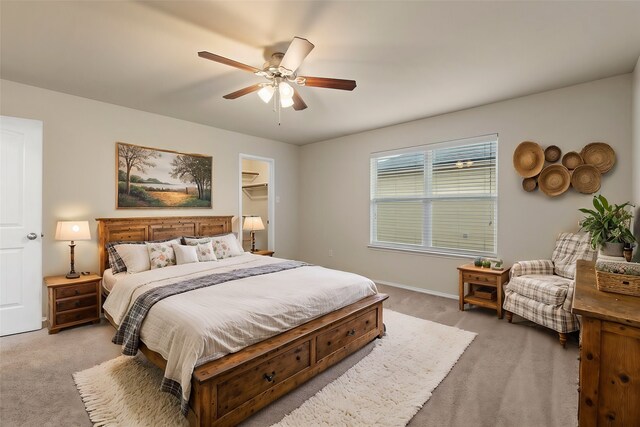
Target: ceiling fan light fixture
(286, 102)
(266, 93)
(286, 91)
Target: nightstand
(72, 301)
(479, 279)
(263, 252)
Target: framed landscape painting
(152, 178)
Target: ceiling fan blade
(243, 91)
(328, 83)
(295, 54)
(298, 103)
(227, 61)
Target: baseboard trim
(416, 289)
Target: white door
(20, 225)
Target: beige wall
(79, 165)
(334, 192)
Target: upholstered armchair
(542, 291)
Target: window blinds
(439, 197)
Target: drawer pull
(351, 333)
(269, 378)
(77, 292)
(77, 304)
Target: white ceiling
(411, 59)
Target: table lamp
(253, 224)
(72, 231)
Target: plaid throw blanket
(129, 331)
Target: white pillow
(161, 254)
(205, 252)
(185, 254)
(239, 243)
(135, 257)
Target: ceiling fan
(280, 71)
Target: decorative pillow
(184, 254)
(224, 246)
(205, 252)
(135, 257)
(161, 254)
(116, 263)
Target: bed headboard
(156, 228)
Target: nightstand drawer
(73, 303)
(479, 278)
(76, 290)
(76, 316)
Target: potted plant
(608, 225)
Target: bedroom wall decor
(582, 171)
(154, 178)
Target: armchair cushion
(522, 268)
(547, 289)
(571, 247)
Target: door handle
(32, 236)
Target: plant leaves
(598, 205)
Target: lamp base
(73, 275)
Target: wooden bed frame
(227, 390)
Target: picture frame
(154, 178)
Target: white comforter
(192, 328)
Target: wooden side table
(72, 301)
(263, 252)
(478, 276)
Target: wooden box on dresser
(609, 353)
(72, 301)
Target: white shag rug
(386, 388)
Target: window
(436, 198)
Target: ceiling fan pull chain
(277, 101)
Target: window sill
(466, 255)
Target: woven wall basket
(600, 155)
(528, 159)
(552, 153)
(586, 179)
(554, 180)
(572, 160)
(529, 184)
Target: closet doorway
(257, 198)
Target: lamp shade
(286, 91)
(73, 230)
(266, 93)
(286, 102)
(253, 223)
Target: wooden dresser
(609, 353)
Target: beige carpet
(386, 388)
(513, 374)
